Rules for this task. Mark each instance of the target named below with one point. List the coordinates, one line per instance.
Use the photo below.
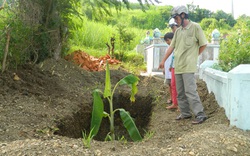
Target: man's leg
(192, 95)
(181, 97)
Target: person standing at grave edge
(189, 41)
(173, 25)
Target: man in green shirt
(188, 42)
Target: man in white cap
(188, 42)
(173, 25)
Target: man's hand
(168, 53)
(161, 65)
(202, 48)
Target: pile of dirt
(44, 111)
(89, 62)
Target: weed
(86, 139)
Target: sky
(240, 6)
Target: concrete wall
(231, 91)
(154, 55)
(239, 96)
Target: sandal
(169, 101)
(199, 120)
(181, 117)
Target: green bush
(133, 62)
(235, 50)
(19, 45)
(134, 58)
(131, 57)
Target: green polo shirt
(186, 44)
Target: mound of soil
(44, 109)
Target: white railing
(154, 53)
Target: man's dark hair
(168, 35)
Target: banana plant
(98, 107)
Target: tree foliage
(44, 25)
(209, 24)
(235, 49)
(228, 18)
(99, 9)
(197, 14)
(153, 18)
(38, 28)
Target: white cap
(172, 22)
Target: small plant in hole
(98, 107)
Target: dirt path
(56, 95)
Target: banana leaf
(129, 124)
(132, 81)
(107, 90)
(97, 112)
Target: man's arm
(168, 53)
(202, 48)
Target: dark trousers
(188, 98)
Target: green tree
(243, 22)
(99, 9)
(197, 14)
(38, 28)
(222, 15)
(125, 38)
(209, 24)
(235, 49)
(46, 24)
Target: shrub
(134, 58)
(235, 50)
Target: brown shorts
(168, 81)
